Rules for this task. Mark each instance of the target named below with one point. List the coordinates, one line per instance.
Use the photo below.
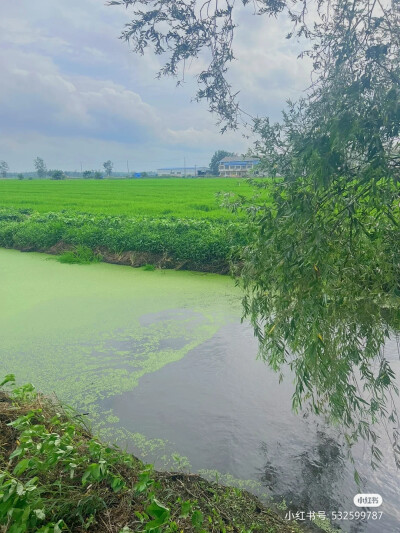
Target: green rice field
(154, 198)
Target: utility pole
(195, 171)
(127, 166)
(81, 167)
(184, 166)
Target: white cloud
(267, 70)
(17, 31)
(47, 101)
(203, 138)
(70, 87)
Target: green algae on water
(91, 333)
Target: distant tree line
(92, 174)
(42, 171)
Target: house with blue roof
(236, 167)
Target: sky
(74, 94)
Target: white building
(183, 171)
(235, 166)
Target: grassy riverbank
(55, 476)
(189, 244)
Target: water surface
(161, 363)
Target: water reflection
(226, 411)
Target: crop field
(174, 222)
(154, 198)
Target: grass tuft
(149, 267)
(81, 255)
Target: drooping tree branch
(322, 272)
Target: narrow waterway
(162, 365)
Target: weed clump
(149, 267)
(82, 255)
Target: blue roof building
(235, 166)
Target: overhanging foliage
(322, 272)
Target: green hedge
(197, 241)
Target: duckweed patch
(90, 334)
(79, 324)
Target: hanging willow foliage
(322, 273)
